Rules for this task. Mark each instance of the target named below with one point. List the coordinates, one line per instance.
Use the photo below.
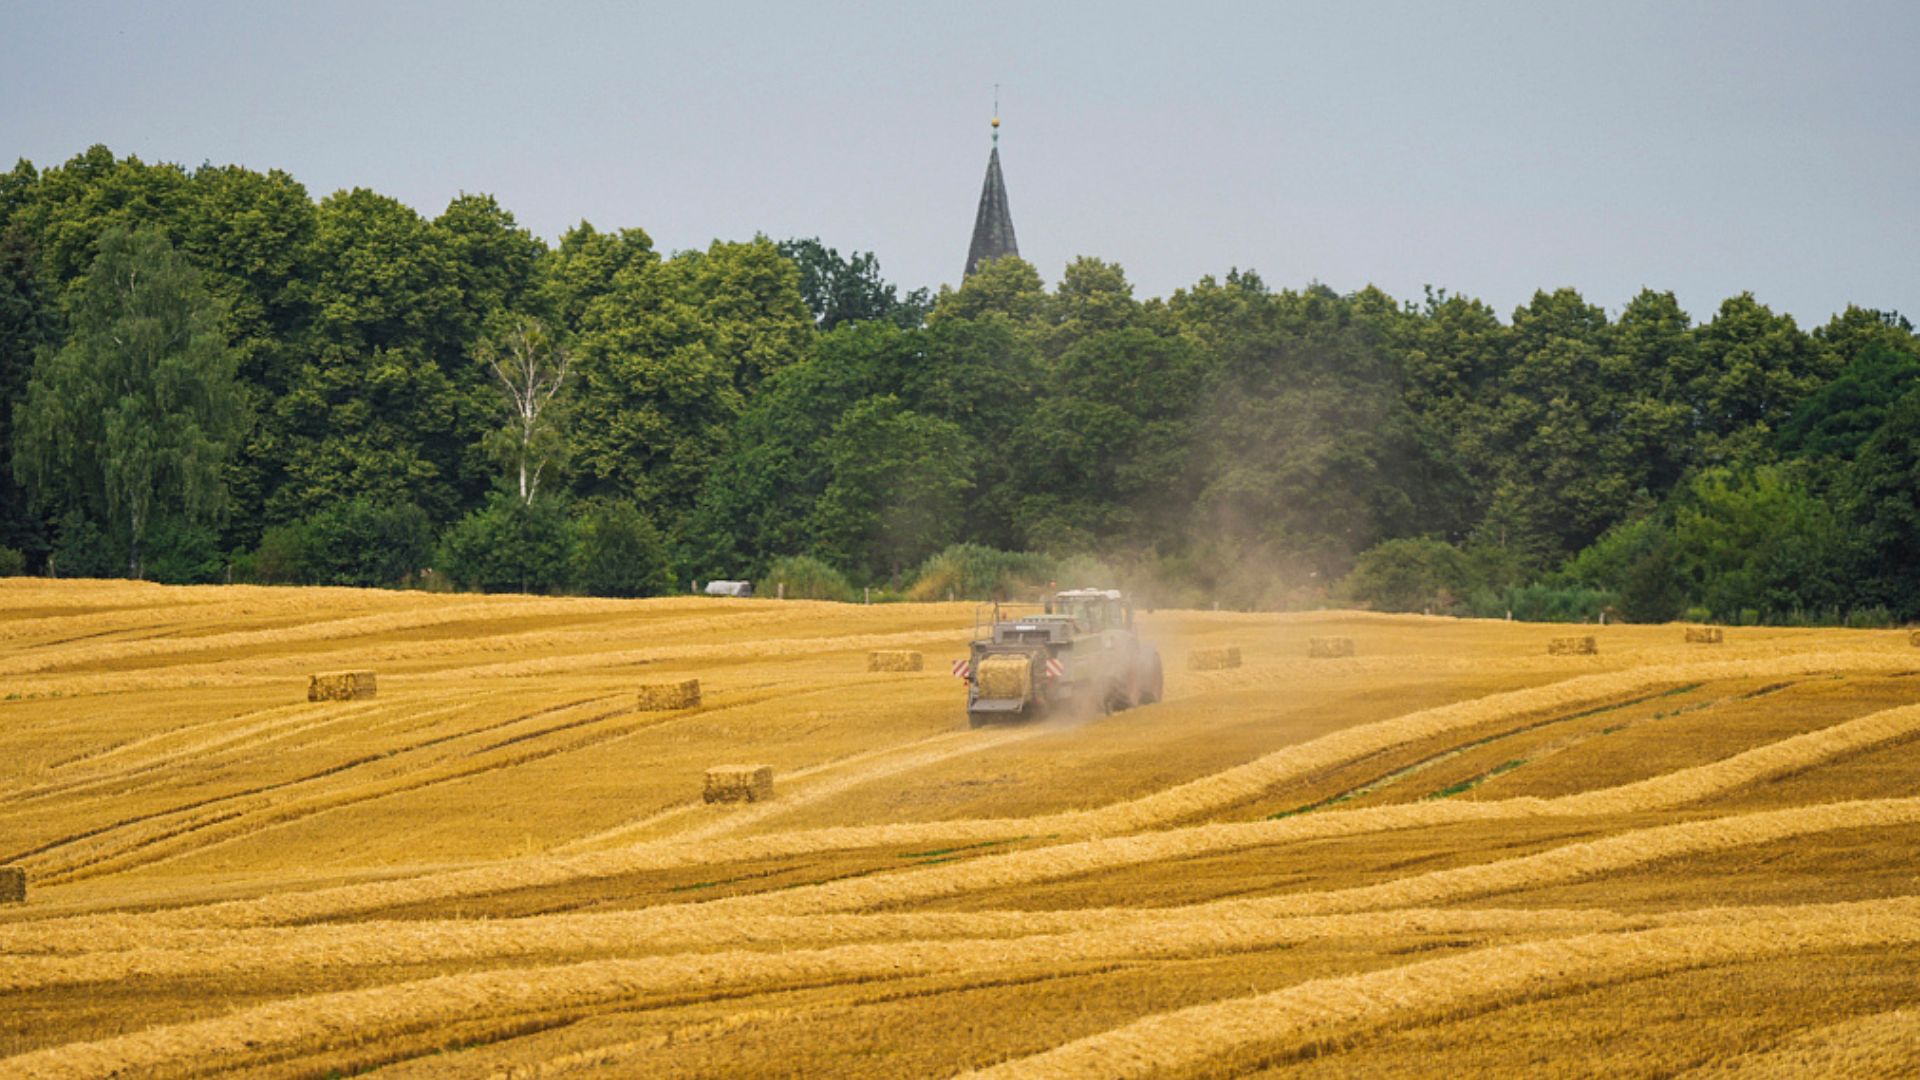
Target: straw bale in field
(1326, 648)
(739, 783)
(1913, 637)
(895, 660)
(1213, 659)
(660, 697)
(1705, 635)
(13, 885)
(1005, 678)
(340, 686)
(1573, 646)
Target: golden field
(1449, 853)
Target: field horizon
(1453, 850)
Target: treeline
(209, 375)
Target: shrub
(1542, 603)
(182, 554)
(1638, 560)
(508, 546)
(283, 556)
(618, 552)
(83, 550)
(1546, 603)
(805, 578)
(364, 543)
(1410, 575)
(1877, 617)
(12, 562)
(1759, 542)
(978, 572)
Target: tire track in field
(738, 819)
(1389, 779)
(274, 669)
(1561, 865)
(1482, 979)
(1880, 1044)
(1074, 859)
(261, 807)
(322, 948)
(281, 785)
(92, 758)
(1314, 1016)
(689, 809)
(299, 720)
(256, 739)
(362, 625)
(269, 814)
(1225, 788)
(92, 624)
(64, 950)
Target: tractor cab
(1092, 611)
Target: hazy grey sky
(1489, 149)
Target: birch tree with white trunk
(531, 368)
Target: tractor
(1074, 652)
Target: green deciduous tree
(618, 552)
(1311, 454)
(530, 369)
(1413, 574)
(1882, 492)
(134, 420)
(894, 496)
(841, 290)
(1836, 420)
(508, 546)
(1758, 541)
(26, 327)
(1751, 369)
(1103, 459)
(1636, 561)
(756, 502)
(1008, 286)
(385, 401)
(582, 269)
(667, 359)
(359, 541)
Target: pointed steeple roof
(993, 225)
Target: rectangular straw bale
(895, 660)
(661, 697)
(1705, 635)
(13, 885)
(340, 686)
(1005, 678)
(1213, 659)
(1573, 646)
(739, 783)
(1326, 648)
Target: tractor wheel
(1151, 683)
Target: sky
(1487, 149)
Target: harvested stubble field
(1450, 852)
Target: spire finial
(996, 114)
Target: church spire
(993, 224)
